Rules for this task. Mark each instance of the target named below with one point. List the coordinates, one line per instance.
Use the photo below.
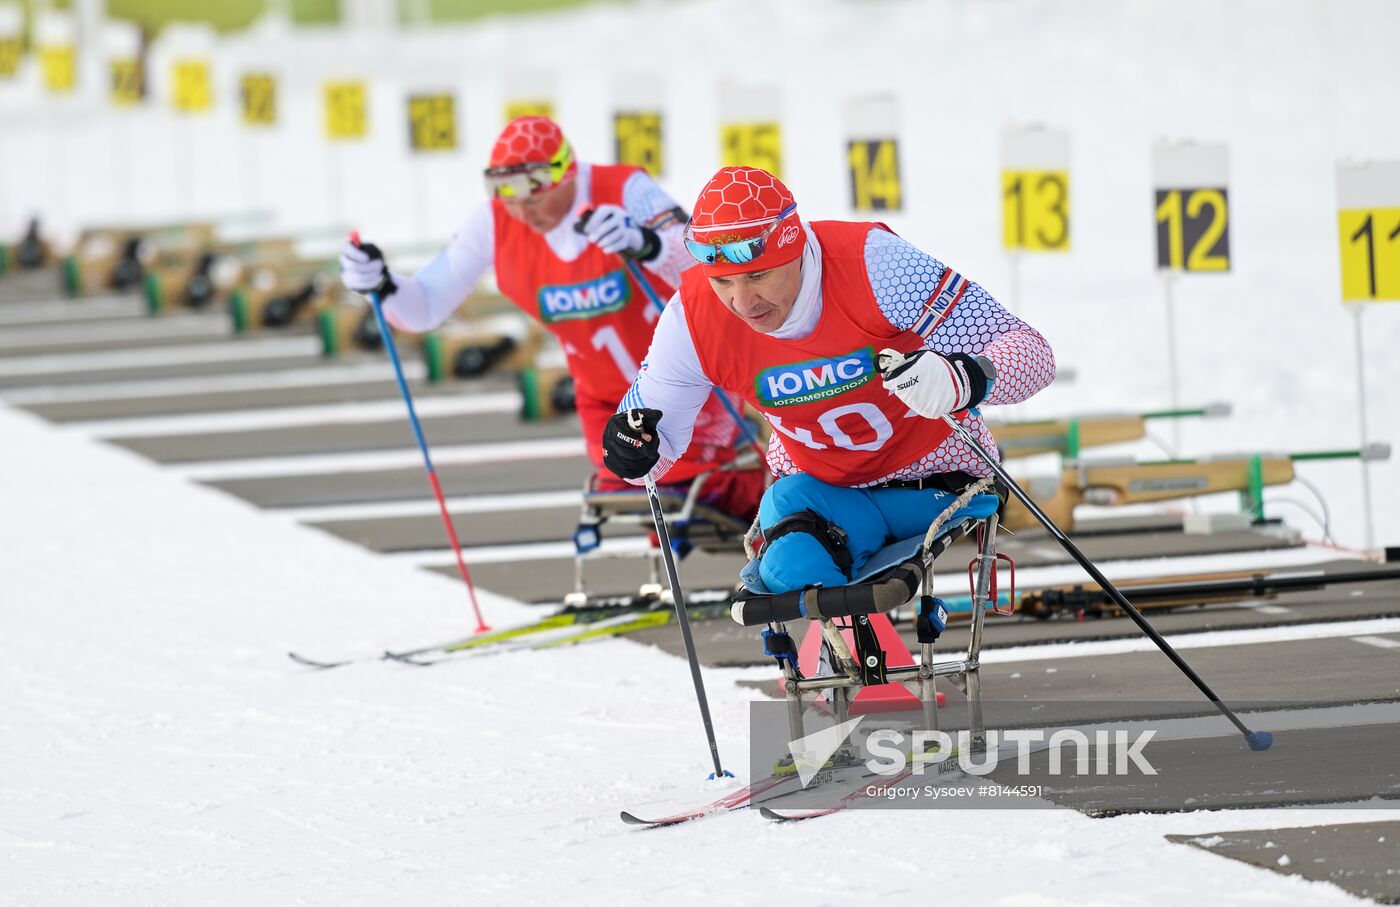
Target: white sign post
(1368, 234)
(1191, 210)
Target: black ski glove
(631, 444)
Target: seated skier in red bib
(567, 271)
(793, 317)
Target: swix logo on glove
(816, 379)
(590, 299)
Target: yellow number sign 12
(1193, 229)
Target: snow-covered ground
(157, 746)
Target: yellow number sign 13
(1035, 210)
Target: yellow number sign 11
(1368, 231)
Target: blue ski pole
(375, 306)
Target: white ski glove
(363, 271)
(610, 228)
(934, 385)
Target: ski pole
(728, 405)
(678, 599)
(374, 304)
(1257, 740)
(636, 272)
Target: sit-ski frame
(918, 678)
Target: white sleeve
(425, 300)
(672, 381)
(650, 206)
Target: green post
(433, 353)
(238, 310)
(4, 258)
(155, 303)
(330, 337)
(1072, 440)
(1255, 500)
(529, 394)
(72, 284)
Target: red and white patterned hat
(740, 203)
(532, 140)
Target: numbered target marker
(126, 64)
(872, 154)
(128, 80)
(192, 88)
(258, 95)
(1035, 200)
(639, 136)
(59, 64)
(1192, 207)
(751, 135)
(1368, 230)
(347, 111)
(11, 39)
(10, 50)
(56, 37)
(432, 122)
(638, 140)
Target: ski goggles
(522, 180)
(738, 252)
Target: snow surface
(157, 746)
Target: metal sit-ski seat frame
(880, 590)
